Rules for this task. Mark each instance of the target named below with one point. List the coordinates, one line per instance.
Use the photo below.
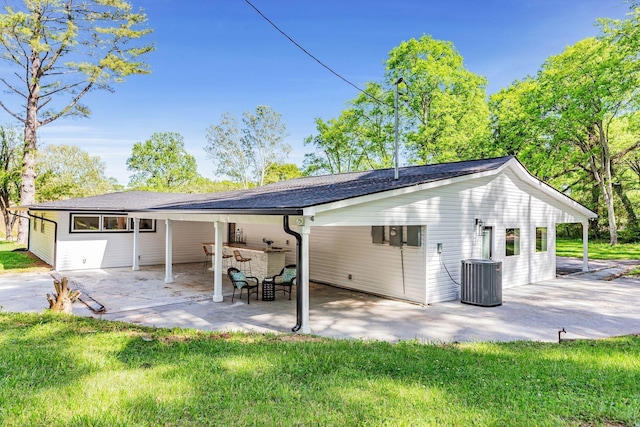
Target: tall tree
(228, 151)
(67, 171)
(569, 111)
(445, 102)
(246, 155)
(161, 163)
(282, 172)
(264, 133)
(10, 145)
(60, 51)
(374, 129)
(336, 148)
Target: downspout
(55, 235)
(298, 271)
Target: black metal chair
(286, 279)
(240, 281)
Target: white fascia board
(526, 176)
(512, 164)
(313, 210)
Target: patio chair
(226, 259)
(286, 279)
(240, 281)
(208, 257)
(243, 262)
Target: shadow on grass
(118, 374)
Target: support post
(585, 246)
(217, 261)
(304, 286)
(135, 266)
(168, 252)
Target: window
(145, 224)
(114, 223)
(512, 242)
(83, 223)
(35, 223)
(42, 224)
(541, 239)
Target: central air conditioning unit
(481, 282)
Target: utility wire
(311, 55)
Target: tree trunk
(28, 187)
(8, 220)
(628, 206)
(62, 301)
(608, 188)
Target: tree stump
(62, 301)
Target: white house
(402, 238)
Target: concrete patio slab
(584, 304)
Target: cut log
(62, 301)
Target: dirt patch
(38, 263)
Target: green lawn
(598, 249)
(71, 371)
(14, 259)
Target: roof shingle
(293, 194)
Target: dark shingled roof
(120, 201)
(285, 196)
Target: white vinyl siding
(449, 213)
(42, 240)
(345, 256)
(78, 251)
(341, 248)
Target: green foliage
(205, 185)
(337, 148)
(246, 155)
(443, 114)
(576, 123)
(161, 163)
(15, 259)
(10, 169)
(55, 52)
(74, 45)
(65, 370)
(446, 103)
(282, 172)
(66, 171)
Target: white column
(168, 252)
(136, 244)
(585, 246)
(304, 286)
(217, 261)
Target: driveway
(585, 305)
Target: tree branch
(4, 107)
(13, 88)
(69, 106)
(616, 157)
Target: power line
(311, 55)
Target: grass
(14, 259)
(61, 370)
(598, 249)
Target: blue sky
(217, 56)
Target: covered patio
(585, 305)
